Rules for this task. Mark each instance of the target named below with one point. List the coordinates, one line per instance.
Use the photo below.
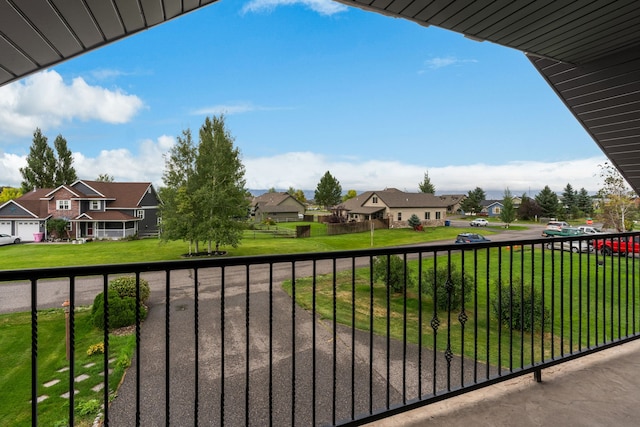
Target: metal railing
(340, 338)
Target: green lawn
(254, 243)
(15, 375)
(571, 329)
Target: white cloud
(237, 108)
(323, 7)
(303, 170)
(441, 62)
(44, 100)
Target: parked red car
(623, 245)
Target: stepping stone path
(79, 378)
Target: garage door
(5, 227)
(25, 230)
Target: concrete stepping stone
(65, 369)
(89, 365)
(66, 395)
(42, 398)
(51, 383)
(81, 378)
(98, 387)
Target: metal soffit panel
(35, 34)
(588, 50)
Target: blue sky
(307, 86)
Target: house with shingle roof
(276, 206)
(397, 207)
(94, 209)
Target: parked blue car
(471, 238)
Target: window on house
(399, 216)
(437, 215)
(496, 210)
(375, 199)
(140, 213)
(94, 205)
(427, 215)
(63, 205)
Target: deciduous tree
(105, 177)
(9, 193)
(220, 186)
(616, 198)
(473, 202)
(350, 195)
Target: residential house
(277, 206)
(453, 202)
(396, 206)
(94, 209)
(493, 208)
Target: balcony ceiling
(587, 50)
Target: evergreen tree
(473, 202)
(65, 174)
(426, 186)
(570, 201)
(548, 202)
(220, 187)
(328, 192)
(584, 202)
(508, 212)
(41, 165)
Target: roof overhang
(588, 51)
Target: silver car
(574, 246)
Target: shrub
(414, 222)
(394, 276)
(122, 311)
(88, 407)
(126, 287)
(517, 304)
(446, 284)
(95, 349)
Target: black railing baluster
(435, 323)
(353, 338)
(270, 344)
(34, 351)
(222, 344)
(388, 335)
(138, 341)
(105, 358)
(488, 316)
(293, 344)
(371, 326)
(334, 344)
(314, 285)
(247, 347)
(196, 344)
(167, 348)
(404, 330)
(72, 348)
(420, 325)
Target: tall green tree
(297, 194)
(328, 192)
(178, 210)
(616, 198)
(584, 202)
(548, 202)
(220, 186)
(426, 186)
(508, 212)
(65, 173)
(40, 171)
(473, 202)
(570, 201)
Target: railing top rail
(225, 261)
